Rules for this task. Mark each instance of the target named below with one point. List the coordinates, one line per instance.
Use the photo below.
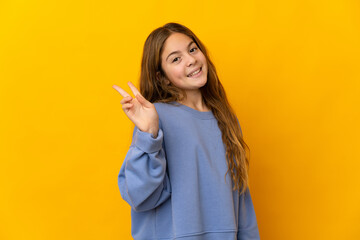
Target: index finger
(121, 91)
(133, 89)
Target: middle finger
(134, 89)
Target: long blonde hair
(154, 88)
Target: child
(185, 141)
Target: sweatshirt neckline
(194, 112)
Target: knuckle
(124, 100)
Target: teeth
(194, 73)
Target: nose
(191, 60)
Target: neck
(195, 101)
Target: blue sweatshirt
(175, 182)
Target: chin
(203, 83)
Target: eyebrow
(178, 51)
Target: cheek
(177, 72)
(171, 72)
(174, 75)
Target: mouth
(195, 73)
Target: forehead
(176, 42)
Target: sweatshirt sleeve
(247, 224)
(143, 181)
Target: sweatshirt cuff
(146, 142)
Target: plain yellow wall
(290, 69)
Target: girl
(185, 141)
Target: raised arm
(143, 181)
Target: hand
(139, 110)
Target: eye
(175, 59)
(192, 49)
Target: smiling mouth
(195, 73)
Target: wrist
(154, 132)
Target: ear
(158, 77)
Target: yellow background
(290, 69)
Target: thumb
(142, 100)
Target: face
(184, 64)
